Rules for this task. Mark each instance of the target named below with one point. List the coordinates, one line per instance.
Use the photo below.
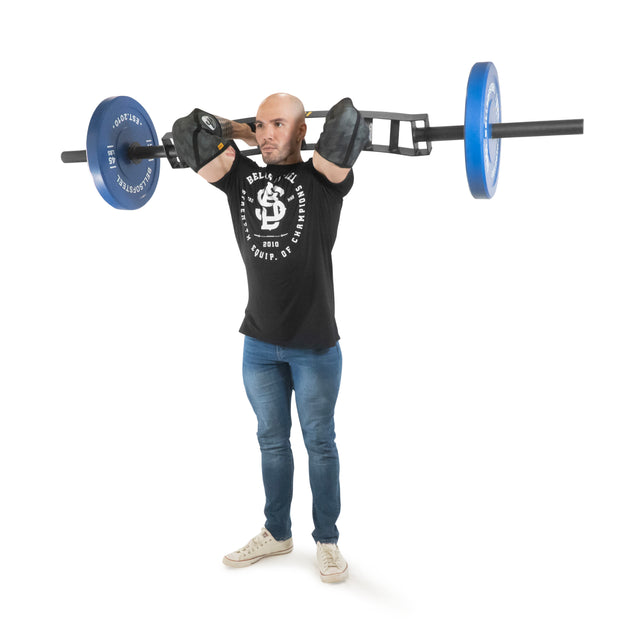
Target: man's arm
(331, 171)
(218, 168)
(242, 131)
(343, 137)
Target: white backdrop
(488, 416)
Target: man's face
(279, 131)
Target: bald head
(280, 128)
(284, 103)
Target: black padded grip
(200, 137)
(344, 135)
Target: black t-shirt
(285, 218)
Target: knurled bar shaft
(74, 156)
(136, 153)
(506, 130)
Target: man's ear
(302, 132)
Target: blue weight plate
(116, 124)
(482, 109)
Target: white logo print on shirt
(269, 199)
(272, 214)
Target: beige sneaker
(333, 567)
(263, 545)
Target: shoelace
(329, 557)
(253, 545)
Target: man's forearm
(239, 131)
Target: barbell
(123, 153)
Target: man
(285, 217)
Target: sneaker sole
(335, 577)
(237, 564)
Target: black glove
(344, 136)
(200, 137)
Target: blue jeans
(270, 375)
